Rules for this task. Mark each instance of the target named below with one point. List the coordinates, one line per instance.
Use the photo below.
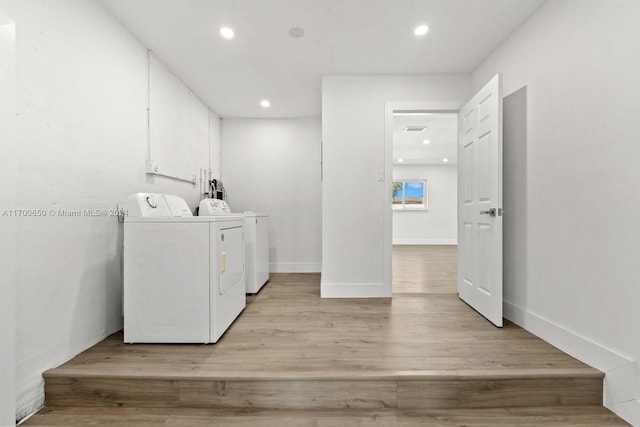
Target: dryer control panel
(210, 207)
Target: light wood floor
(291, 354)
(287, 329)
(430, 269)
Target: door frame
(390, 107)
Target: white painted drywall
(354, 195)
(580, 63)
(438, 224)
(215, 144)
(8, 177)
(273, 166)
(82, 144)
(178, 122)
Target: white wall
(580, 63)
(215, 144)
(273, 166)
(8, 177)
(82, 143)
(179, 125)
(438, 224)
(354, 193)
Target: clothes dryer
(257, 241)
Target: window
(409, 195)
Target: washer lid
(194, 219)
(250, 214)
(178, 206)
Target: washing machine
(184, 275)
(257, 241)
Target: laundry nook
(319, 213)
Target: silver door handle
(493, 212)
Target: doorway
(424, 200)
(480, 211)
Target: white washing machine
(257, 242)
(184, 276)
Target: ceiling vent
(415, 128)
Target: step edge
(321, 376)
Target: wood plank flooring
(421, 358)
(424, 269)
(287, 330)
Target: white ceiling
(341, 37)
(441, 132)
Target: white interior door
(480, 202)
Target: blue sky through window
(414, 189)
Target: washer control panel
(156, 205)
(210, 207)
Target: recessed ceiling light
(426, 142)
(421, 30)
(226, 32)
(400, 160)
(445, 160)
(265, 103)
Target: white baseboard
(621, 391)
(295, 267)
(26, 418)
(621, 373)
(353, 290)
(425, 241)
(628, 411)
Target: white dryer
(257, 241)
(184, 276)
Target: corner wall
(355, 197)
(273, 166)
(579, 61)
(82, 144)
(8, 177)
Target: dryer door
(231, 257)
